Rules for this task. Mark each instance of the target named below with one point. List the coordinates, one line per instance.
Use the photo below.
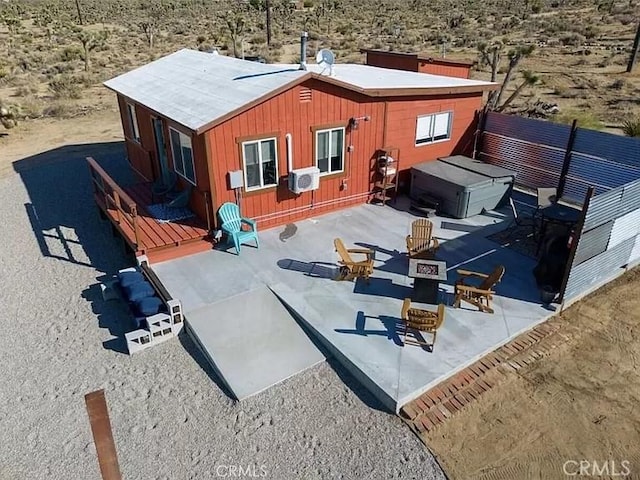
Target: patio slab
(357, 321)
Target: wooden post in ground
(102, 435)
(634, 50)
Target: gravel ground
(170, 417)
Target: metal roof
(195, 88)
(198, 89)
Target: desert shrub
(585, 119)
(4, 72)
(618, 84)
(69, 54)
(58, 110)
(308, 3)
(65, 86)
(631, 127)
(573, 39)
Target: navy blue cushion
(138, 291)
(130, 278)
(145, 307)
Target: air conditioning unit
(304, 179)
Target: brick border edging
(441, 402)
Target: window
(330, 150)
(260, 163)
(133, 122)
(433, 128)
(182, 155)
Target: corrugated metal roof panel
(625, 227)
(528, 129)
(195, 88)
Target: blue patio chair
(232, 224)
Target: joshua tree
(155, 13)
(515, 56)
(528, 79)
(235, 22)
(90, 40)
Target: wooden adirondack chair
(421, 321)
(234, 226)
(480, 295)
(421, 243)
(350, 268)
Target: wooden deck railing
(111, 196)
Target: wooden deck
(125, 209)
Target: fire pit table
(427, 274)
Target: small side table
(427, 274)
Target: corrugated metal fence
(610, 238)
(542, 153)
(537, 151)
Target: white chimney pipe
(303, 50)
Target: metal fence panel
(597, 269)
(535, 165)
(630, 197)
(600, 172)
(635, 252)
(611, 147)
(603, 208)
(528, 129)
(624, 227)
(593, 242)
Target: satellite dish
(325, 58)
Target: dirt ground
(581, 403)
(37, 136)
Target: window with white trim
(330, 150)
(133, 122)
(433, 128)
(182, 155)
(260, 161)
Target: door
(163, 165)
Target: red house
(285, 142)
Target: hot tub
(464, 186)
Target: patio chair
(421, 243)
(420, 320)
(238, 229)
(182, 199)
(480, 295)
(164, 186)
(351, 269)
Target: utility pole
(268, 6)
(634, 50)
(80, 17)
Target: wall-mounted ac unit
(304, 179)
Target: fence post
(567, 159)
(574, 244)
(482, 122)
(634, 51)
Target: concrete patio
(358, 323)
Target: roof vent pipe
(303, 50)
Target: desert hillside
(54, 54)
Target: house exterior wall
(330, 106)
(143, 156)
(393, 124)
(402, 114)
(413, 63)
(448, 70)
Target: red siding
(461, 71)
(144, 157)
(402, 120)
(284, 114)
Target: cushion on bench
(138, 291)
(130, 278)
